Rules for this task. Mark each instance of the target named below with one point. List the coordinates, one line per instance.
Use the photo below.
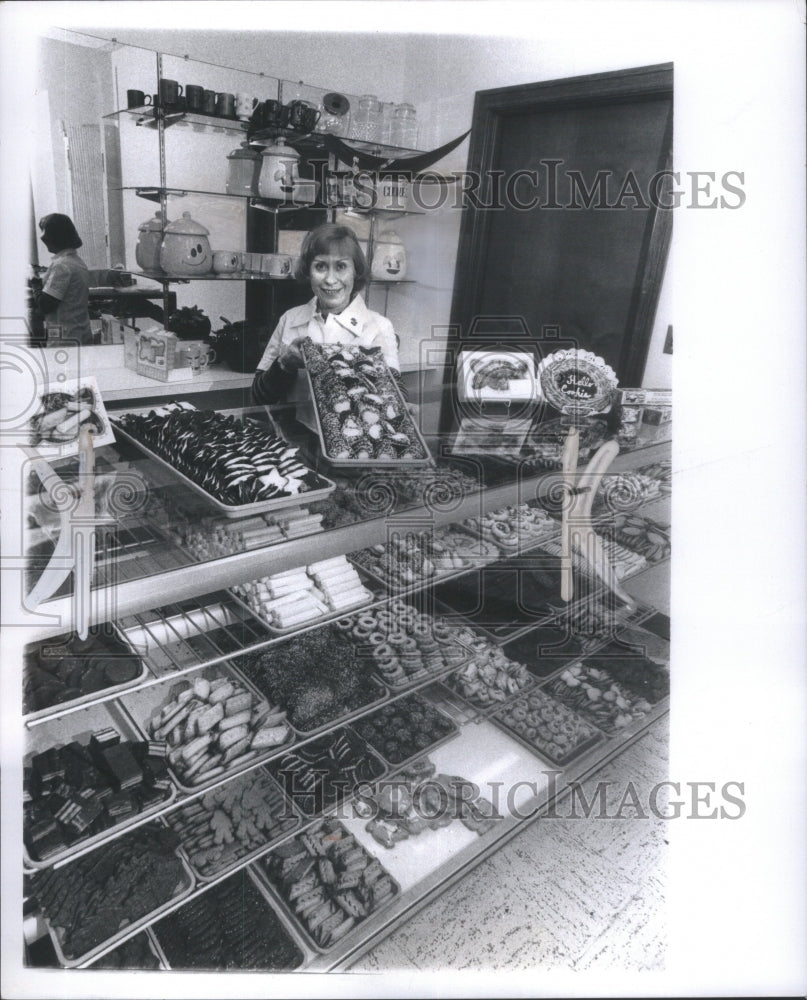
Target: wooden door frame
(638, 84)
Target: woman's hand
(291, 355)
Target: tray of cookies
(67, 671)
(404, 644)
(239, 467)
(596, 695)
(86, 777)
(415, 558)
(318, 677)
(233, 925)
(546, 725)
(417, 799)
(215, 724)
(140, 953)
(96, 902)
(513, 529)
(328, 881)
(361, 416)
(405, 729)
(326, 771)
(309, 595)
(490, 677)
(232, 824)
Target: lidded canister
(185, 248)
(243, 170)
(149, 241)
(389, 257)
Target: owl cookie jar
(185, 250)
(389, 257)
(280, 171)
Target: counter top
(118, 383)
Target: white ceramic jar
(280, 171)
(389, 257)
(185, 249)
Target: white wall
(440, 74)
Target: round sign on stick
(581, 385)
(578, 383)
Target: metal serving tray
(154, 948)
(231, 510)
(360, 464)
(185, 888)
(142, 704)
(317, 620)
(108, 692)
(577, 751)
(232, 860)
(525, 543)
(338, 720)
(67, 729)
(278, 911)
(274, 893)
(277, 770)
(397, 765)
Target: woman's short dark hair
(59, 230)
(332, 239)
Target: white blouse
(355, 325)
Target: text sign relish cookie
(578, 383)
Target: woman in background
(333, 263)
(66, 283)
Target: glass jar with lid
(366, 122)
(404, 130)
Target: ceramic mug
(200, 356)
(302, 116)
(251, 262)
(170, 91)
(137, 99)
(209, 102)
(225, 105)
(227, 261)
(194, 97)
(276, 265)
(270, 114)
(244, 105)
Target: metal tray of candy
(376, 694)
(149, 943)
(302, 953)
(304, 773)
(399, 588)
(372, 630)
(195, 822)
(144, 704)
(382, 748)
(591, 735)
(359, 465)
(317, 619)
(286, 906)
(484, 709)
(60, 707)
(522, 541)
(233, 510)
(72, 728)
(183, 889)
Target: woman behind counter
(66, 284)
(333, 263)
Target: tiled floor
(567, 893)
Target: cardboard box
(155, 355)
